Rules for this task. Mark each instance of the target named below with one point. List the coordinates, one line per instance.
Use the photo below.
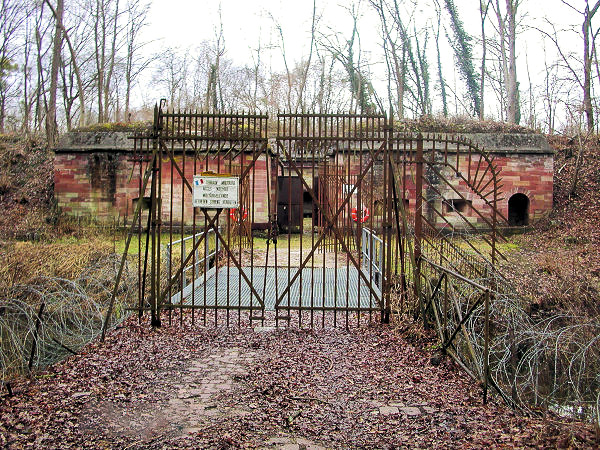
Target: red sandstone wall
(531, 175)
(95, 184)
(104, 185)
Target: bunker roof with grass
(494, 137)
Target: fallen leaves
(329, 386)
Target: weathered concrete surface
(96, 141)
(519, 143)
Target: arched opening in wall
(518, 210)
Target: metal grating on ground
(329, 288)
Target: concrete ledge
(504, 143)
(94, 141)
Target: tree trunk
(2, 113)
(26, 106)
(587, 67)
(511, 82)
(100, 48)
(483, 14)
(51, 125)
(307, 66)
(26, 102)
(80, 90)
(111, 64)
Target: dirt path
(217, 388)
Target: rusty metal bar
(418, 224)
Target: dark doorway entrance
(518, 210)
(289, 203)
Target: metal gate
(342, 220)
(345, 154)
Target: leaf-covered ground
(194, 387)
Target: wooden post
(38, 322)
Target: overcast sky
(186, 23)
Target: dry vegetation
(456, 125)
(556, 272)
(26, 189)
(48, 260)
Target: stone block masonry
(95, 175)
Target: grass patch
(115, 126)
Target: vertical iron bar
(139, 234)
(303, 132)
(182, 225)
(418, 223)
(486, 349)
(172, 151)
(195, 256)
(155, 321)
(158, 214)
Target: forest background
(66, 64)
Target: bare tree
(349, 55)
(507, 35)
(254, 75)
(550, 94)
(484, 6)
(285, 64)
(111, 59)
(105, 39)
(461, 43)
(328, 86)
(396, 46)
(26, 71)
(51, 125)
(588, 48)
(304, 76)
(74, 67)
(583, 77)
(137, 15)
(11, 18)
(41, 98)
(170, 75)
(213, 55)
(438, 11)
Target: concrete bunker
(93, 177)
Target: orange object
(364, 216)
(238, 216)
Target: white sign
(212, 191)
(347, 188)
